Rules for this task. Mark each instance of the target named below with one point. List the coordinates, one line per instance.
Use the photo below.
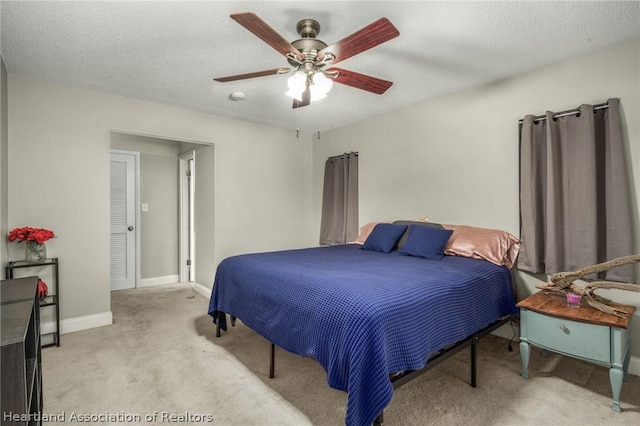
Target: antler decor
(563, 282)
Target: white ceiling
(169, 52)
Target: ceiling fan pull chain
(318, 117)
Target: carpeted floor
(160, 363)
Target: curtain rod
(565, 113)
(341, 156)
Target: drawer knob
(565, 329)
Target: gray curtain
(339, 223)
(574, 193)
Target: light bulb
(321, 84)
(297, 83)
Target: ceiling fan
(312, 60)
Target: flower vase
(35, 252)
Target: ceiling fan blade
(370, 36)
(361, 81)
(264, 73)
(306, 99)
(260, 28)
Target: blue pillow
(426, 242)
(404, 237)
(384, 237)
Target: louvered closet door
(123, 252)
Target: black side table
(53, 299)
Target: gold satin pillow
(493, 245)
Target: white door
(123, 221)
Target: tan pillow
(496, 246)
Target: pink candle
(573, 300)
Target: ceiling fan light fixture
(308, 56)
(298, 82)
(321, 85)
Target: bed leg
(272, 373)
(233, 320)
(379, 421)
(474, 361)
(220, 316)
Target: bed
(364, 315)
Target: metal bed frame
(404, 377)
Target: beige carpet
(161, 358)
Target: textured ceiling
(169, 52)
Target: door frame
(186, 216)
(136, 201)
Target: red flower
(27, 233)
(42, 289)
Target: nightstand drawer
(579, 339)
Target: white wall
(204, 204)
(455, 159)
(59, 144)
(159, 224)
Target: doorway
(170, 206)
(124, 222)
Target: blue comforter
(361, 314)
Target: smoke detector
(237, 96)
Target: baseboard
(79, 323)
(508, 333)
(634, 366)
(150, 282)
(201, 290)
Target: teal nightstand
(584, 333)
